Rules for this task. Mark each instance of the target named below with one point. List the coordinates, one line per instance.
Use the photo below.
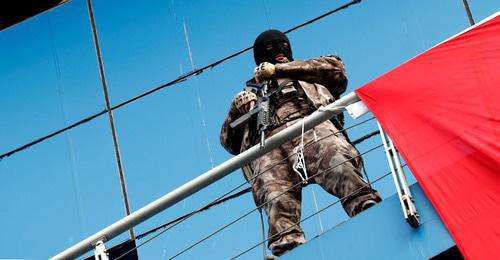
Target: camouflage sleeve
(328, 71)
(229, 138)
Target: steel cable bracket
(399, 177)
(100, 251)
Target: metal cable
(225, 196)
(170, 83)
(323, 15)
(308, 145)
(268, 201)
(222, 198)
(367, 136)
(315, 213)
(181, 219)
(361, 139)
(218, 201)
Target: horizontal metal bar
(207, 178)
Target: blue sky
(62, 190)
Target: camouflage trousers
(332, 161)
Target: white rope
(299, 164)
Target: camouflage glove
(244, 101)
(265, 70)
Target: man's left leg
(337, 165)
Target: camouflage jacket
(322, 80)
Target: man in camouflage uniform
(304, 86)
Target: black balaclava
(273, 37)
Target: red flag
(442, 110)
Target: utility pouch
(288, 92)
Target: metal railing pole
(207, 178)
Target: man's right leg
(272, 190)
